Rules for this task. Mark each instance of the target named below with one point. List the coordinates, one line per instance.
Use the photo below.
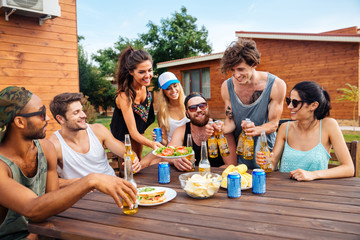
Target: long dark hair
(310, 92)
(128, 61)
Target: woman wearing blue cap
(171, 110)
(134, 111)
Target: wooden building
(41, 58)
(331, 59)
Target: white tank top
(76, 165)
(174, 124)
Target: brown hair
(60, 103)
(128, 61)
(239, 51)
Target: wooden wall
(331, 64)
(43, 59)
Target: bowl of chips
(200, 185)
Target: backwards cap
(166, 79)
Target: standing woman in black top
(134, 110)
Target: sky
(102, 22)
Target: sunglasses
(193, 108)
(294, 102)
(41, 113)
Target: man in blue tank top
(29, 186)
(250, 94)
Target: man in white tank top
(79, 146)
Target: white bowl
(200, 189)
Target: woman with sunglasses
(171, 110)
(134, 111)
(303, 145)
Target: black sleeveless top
(144, 117)
(214, 162)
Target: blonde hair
(163, 107)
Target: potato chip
(202, 185)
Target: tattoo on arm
(228, 112)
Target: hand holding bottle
(262, 159)
(136, 166)
(219, 126)
(251, 129)
(265, 154)
(209, 128)
(182, 164)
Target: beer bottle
(212, 142)
(267, 167)
(248, 146)
(191, 157)
(204, 165)
(128, 151)
(130, 178)
(240, 144)
(222, 142)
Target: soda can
(234, 185)
(164, 172)
(258, 181)
(158, 134)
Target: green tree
(349, 94)
(107, 58)
(177, 37)
(93, 84)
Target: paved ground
(350, 128)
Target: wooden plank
(38, 81)
(67, 2)
(174, 210)
(205, 228)
(38, 33)
(246, 198)
(37, 57)
(37, 41)
(16, 64)
(24, 48)
(35, 73)
(68, 7)
(62, 22)
(64, 228)
(260, 203)
(317, 186)
(28, 23)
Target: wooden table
(322, 209)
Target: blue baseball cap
(166, 79)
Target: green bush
(91, 114)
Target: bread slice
(152, 197)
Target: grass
(104, 121)
(351, 136)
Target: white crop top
(174, 124)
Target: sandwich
(152, 196)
